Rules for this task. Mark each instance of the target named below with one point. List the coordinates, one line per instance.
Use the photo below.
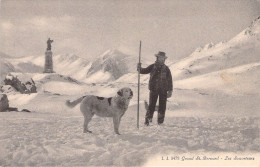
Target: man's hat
(161, 54)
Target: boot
(160, 118)
(146, 122)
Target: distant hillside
(109, 66)
(242, 49)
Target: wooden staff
(138, 98)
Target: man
(160, 85)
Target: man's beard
(159, 62)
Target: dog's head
(126, 93)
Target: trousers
(153, 96)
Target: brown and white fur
(104, 107)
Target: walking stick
(139, 86)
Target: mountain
(68, 64)
(114, 65)
(3, 55)
(231, 67)
(132, 75)
(111, 65)
(5, 68)
(243, 49)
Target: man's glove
(169, 94)
(139, 66)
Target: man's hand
(139, 66)
(169, 94)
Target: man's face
(160, 59)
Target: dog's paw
(118, 133)
(87, 131)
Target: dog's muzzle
(131, 94)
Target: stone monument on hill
(48, 68)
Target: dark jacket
(160, 77)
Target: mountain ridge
(114, 65)
(221, 55)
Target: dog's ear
(120, 92)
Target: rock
(21, 83)
(198, 49)
(25, 110)
(12, 109)
(8, 89)
(4, 103)
(208, 46)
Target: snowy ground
(196, 121)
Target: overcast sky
(90, 27)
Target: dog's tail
(74, 103)
(146, 105)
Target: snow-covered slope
(41, 79)
(5, 68)
(240, 50)
(111, 65)
(243, 49)
(68, 64)
(51, 135)
(132, 77)
(241, 80)
(114, 65)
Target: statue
(49, 41)
(48, 68)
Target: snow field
(51, 135)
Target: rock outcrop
(21, 83)
(4, 103)
(7, 89)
